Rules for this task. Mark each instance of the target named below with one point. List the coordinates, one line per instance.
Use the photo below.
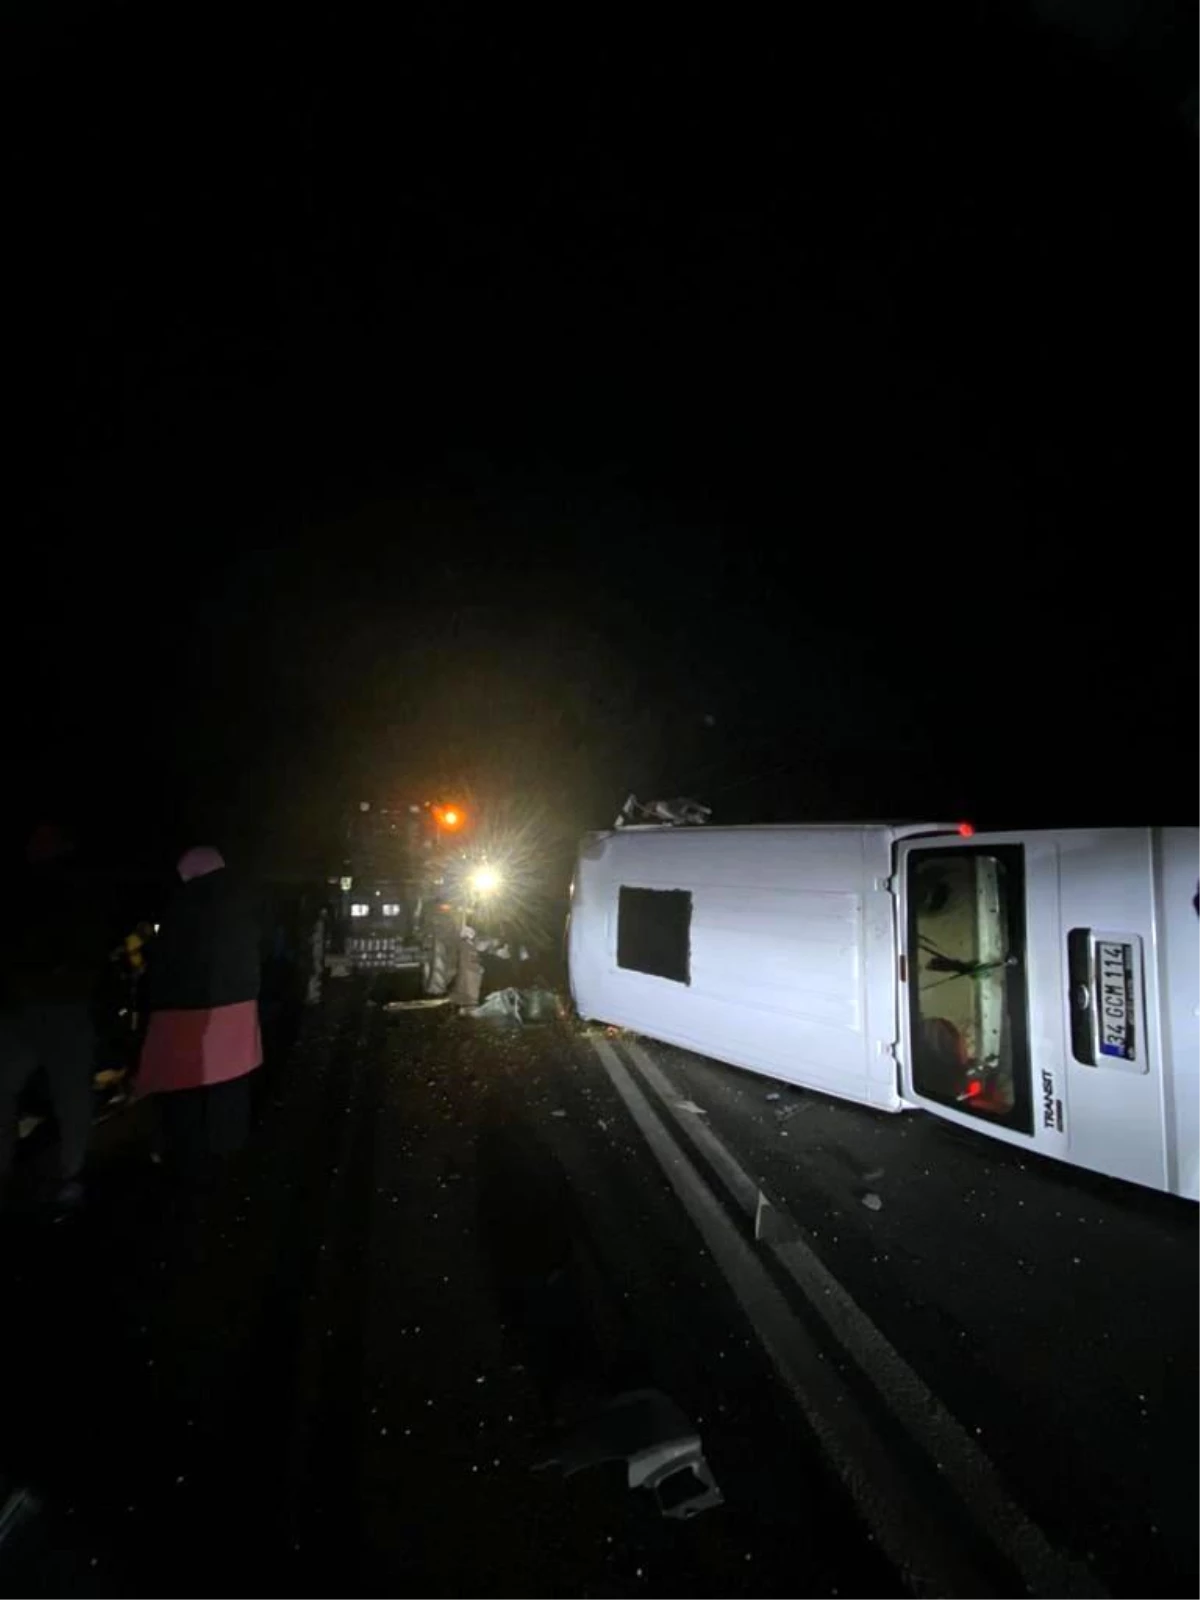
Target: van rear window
(966, 944)
(654, 932)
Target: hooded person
(203, 1037)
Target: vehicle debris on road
(661, 1448)
(516, 1005)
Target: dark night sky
(804, 420)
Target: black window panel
(654, 929)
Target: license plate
(1114, 998)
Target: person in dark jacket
(203, 1039)
(48, 981)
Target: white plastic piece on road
(690, 1105)
(770, 1224)
(502, 1003)
(518, 1005)
(872, 1202)
(660, 1446)
(961, 1463)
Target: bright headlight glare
(485, 880)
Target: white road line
(926, 1550)
(965, 1467)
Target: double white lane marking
(922, 1544)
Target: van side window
(654, 929)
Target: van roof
(896, 829)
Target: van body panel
(792, 949)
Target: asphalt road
(1051, 1313)
(914, 1363)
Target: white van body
(793, 949)
(1040, 987)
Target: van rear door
(1046, 996)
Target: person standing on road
(203, 1039)
(49, 977)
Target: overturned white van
(1041, 987)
